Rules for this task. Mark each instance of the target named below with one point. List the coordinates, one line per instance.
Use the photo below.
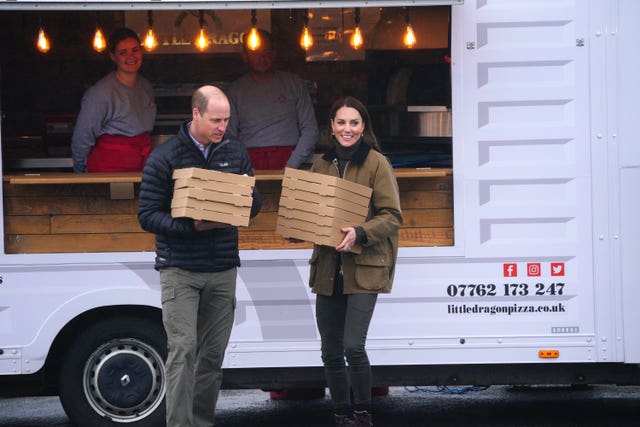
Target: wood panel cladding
(82, 217)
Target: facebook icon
(510, 270)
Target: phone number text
(506, 289)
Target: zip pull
(335, 163)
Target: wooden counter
(67, 212)
(46, 178)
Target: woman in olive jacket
(347, 284)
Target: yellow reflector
(548, 354)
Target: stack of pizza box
(314, 207)
(212, 195)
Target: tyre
(113, 375)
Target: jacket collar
(357, 158)
(186, 137)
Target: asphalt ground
(538, 406)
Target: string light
(409, 39)
(202, 42)
(43, 44)
(356, 40)
(306, 40)
(253, 39)
(99, 43)
(150, 42)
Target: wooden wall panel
(83, 218)
(118, 223)
(427, 218)
(67, 243)
(22, 224)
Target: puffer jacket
(178, 244)
(371, 271)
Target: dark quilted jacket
(178, 244)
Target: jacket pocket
(313, 262)
(372, 272)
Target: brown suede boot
(362, 418)
(343, 420)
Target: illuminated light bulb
(253, 40)
(99, 43)
(356, 40)
(150, 42)
(43, 44)
(409, 39)
(306, 41)
(202, 42)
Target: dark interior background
(36, 87)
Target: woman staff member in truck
(347, 284)
(117, 113)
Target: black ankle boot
(362, 418)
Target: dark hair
(368, 136)
(264, 35)
(121, 34)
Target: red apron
(118, 153)
(265, 158)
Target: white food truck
(539, 287)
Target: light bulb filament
(409, 37)
(150, 42)
(202, 42)
(306, 41)
(356, 39)
(43, 42)
(253, 41)
(99, 43)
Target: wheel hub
(124, 380)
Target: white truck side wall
(624, 36)
(40, 294)
(541, 189)
(523, 188)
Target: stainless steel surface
(39, 163)
(413, 121)
(428, 121)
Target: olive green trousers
(197, 311)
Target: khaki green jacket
(372, 270)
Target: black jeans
(343, 323)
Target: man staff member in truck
(197, 259)
(271, 111)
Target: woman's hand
(348, 241)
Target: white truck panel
(624, 133)
(546, 171)
(57, 293)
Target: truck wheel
(113, 374)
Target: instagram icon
(533, 269)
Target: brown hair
(121, 34)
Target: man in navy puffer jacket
(197, 259)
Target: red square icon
(533, 269)
(510, 270)
(557, 268)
